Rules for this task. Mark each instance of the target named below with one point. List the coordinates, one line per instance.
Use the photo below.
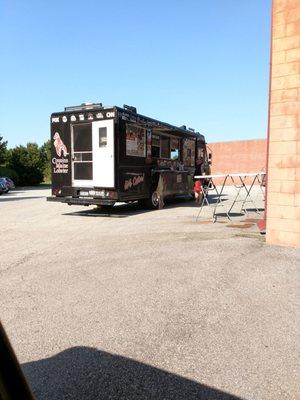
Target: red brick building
(239, 156)
(283, 188)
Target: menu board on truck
(135, 141)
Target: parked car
(3, 187)
(9, 184)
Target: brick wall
(283, 194)
(239, 156)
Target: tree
(29, 162)
(46, 150)
(3, 150)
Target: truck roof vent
(84, 106)
(129, 108)
(183, 127)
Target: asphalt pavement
(138, 304)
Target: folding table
(239, 183)
(241, 189)
(211, 187)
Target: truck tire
(154, 202)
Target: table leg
(238, 189)
(204, 200)
(248, 191)
(219, 201)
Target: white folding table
(243, 191)
(212, 187)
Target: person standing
(198, 191)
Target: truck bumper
(82, 201)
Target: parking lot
(140, 304)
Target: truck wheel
(154, 202)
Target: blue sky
(200, 63)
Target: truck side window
(102, 137)
(174, 149)
(155, 146)
(165, 147)
(200, 153)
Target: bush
(3, 150)
(9, 173)
(29, 163)
(46, 149)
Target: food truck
(103, 155)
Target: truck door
(93, 154)
(103, 153)
(82, 154)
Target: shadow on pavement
(86, 373)
(190, 202)
(214, 199)
(130, 209)
(14, 192)
(118, 211)
(254, 210)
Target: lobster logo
(60, 147)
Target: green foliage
(26, 165)
(46, 149)
(9, 173)
(3, 151)
(29, 162)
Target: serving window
(135, 141)
(165, 147)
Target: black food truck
(103, 155)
